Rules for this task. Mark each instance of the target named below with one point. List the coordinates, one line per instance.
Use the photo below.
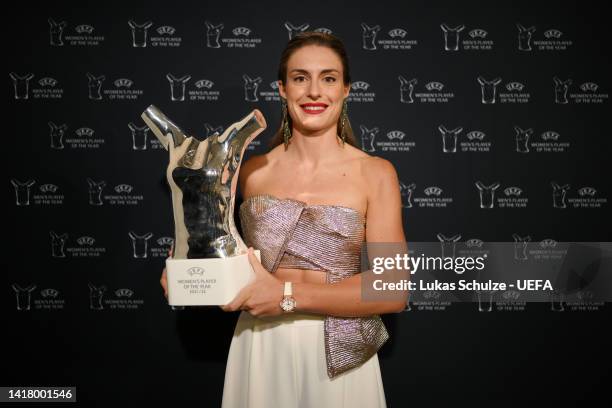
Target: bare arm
(383, 224)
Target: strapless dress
(301, 359)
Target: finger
(257, 266)
(240, 298)
(227, 307)
(238, 302)
(255, 312)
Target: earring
(286, 131)
(344, 119)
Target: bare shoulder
(379, 172)
(251, 169)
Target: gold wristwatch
(288, 302)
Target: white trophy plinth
(207, 282)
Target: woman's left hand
(261, 297)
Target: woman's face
(315, 78)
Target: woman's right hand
(164, 279)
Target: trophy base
(207, 281)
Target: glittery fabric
(291, 234)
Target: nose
(313, 90)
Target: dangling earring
(344, 119)
(286, 131)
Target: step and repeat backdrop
(495, 116)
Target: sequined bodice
(290, 233)
(318, 237)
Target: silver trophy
(210, 261)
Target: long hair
(314, 38)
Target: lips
(313, 108)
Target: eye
(297, 78)
(330, 77)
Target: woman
(307, 202)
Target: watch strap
(288, 289)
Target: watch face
(288, 303)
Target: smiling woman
(304, 336)
(328, 83)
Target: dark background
(156, 355)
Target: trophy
(210, 261)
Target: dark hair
(314, 38)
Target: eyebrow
(324, 71)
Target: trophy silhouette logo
(203, 176)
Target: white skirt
(279, 362)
